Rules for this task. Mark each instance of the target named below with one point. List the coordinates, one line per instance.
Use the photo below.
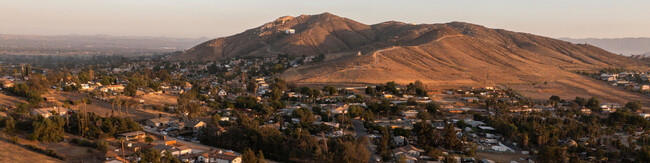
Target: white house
(289, 31)
(645, 115)
(181, 150)
(222, 93)
(219, 157)
(47, 112)
(642, 87)
(410, 152)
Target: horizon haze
(212, 19)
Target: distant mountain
(92, 44)
(625, 46)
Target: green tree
(355, 111)
(383, 148)
(392, 87)
(594, 104)
(350, 150)
(130, 90)
(278, 68)
(421, 92)
(260, 157)
(279, 83)
(150, 156)
(580, 101)
(251, 86)
(275, 94)
(450, 159)
(401, 159)
(101, 145)
(331, 90)
(424, 116)
(451, 139)
(432, 107)
(47, 130)
(306, 117)
(107, 80)
(148, 139)
(370, 91)
(249, 156)
(9, 125)
(170, 158)
(84, 76)
(633, 105)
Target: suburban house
(289, 31)
(642, 87)
(219, 157)
(159, 122)
(112, 157)
(47, 112)
(645, 115)
(387, 96)
(49, 99)
(608, 77)
(399, 140)
(162, 148)
(410, 114)
(85, 86)
(112, 88)
(336, 108)
(470, 99)
(181, 150)
(176, 91)
(194, 125)
(132, 135)
(187, 86)
(328, 124)
(410, 152)
(222, 93)
(7, 84)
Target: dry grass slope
(445, 55)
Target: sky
(217, 18)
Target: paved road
(361, 131)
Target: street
(360, 131)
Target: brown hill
(315, 34)
(451, 54)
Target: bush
(99, 144)
(48, 152)
(14, 139)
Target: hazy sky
(215, 18)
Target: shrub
(14, 139)
(48, 152)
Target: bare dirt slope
(13, 153)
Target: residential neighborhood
(212, 82)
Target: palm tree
(86, 121)
(126, 107)
(112, 107)
(121, 140)
(119, 106)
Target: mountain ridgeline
(453, 53)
